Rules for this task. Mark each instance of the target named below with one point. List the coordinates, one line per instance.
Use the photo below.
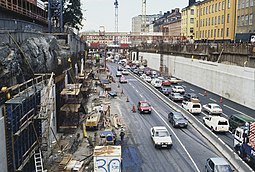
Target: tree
(72, 14)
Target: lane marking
(224, 114)
(234, 109)
(212, 100)
(201, 94)
(136, 90)
(192, 90)
(184, 86)
(178, 140)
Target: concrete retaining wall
(232, 82)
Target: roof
(71, 89)
(219, 161)
(159, 127)
(244, 117)
(107, 151)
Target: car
(175, 96)
(165, 90)
(192, 107)
(136, 71)
(166, 82)
(144, 107)
(118, 73)
(217, 164)
(122, 79)
(156, 82)
(120, 68)
(177, 119)
(148, 79)
(127, 67)
(175, 80)
(190, 96)
(178, 89)
(143, 76)
(125, 72)
(216, 123)
(161, 137)
(212, 108)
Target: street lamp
(102, 33)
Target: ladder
(38, 161)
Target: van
(238, 120)
(192, 107)
(216, 123)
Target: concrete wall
(3, 157)
(232, 82)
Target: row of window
(213, 33)
(212, 8)
(242, 3)
(214, 21)
(244, 20)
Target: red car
(144, 107)
(166, 82)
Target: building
(245, 20)
(137, 22)
(215, 21)
(170, 25)
(188, 21)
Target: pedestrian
(122, 134)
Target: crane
(116, 15)
(143, 26)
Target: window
(191, 30)
(203, 22)
(212, 20)
(206, 10)
(251, 18)
(218, 34)
(216, 7)
(228, 18)
(209, 22)
(214, 33)
(206, 22)
(196, 35)
(242, 3)
(238, 4)
(191, 20)
(211, 33)
(215, 20)
(205, 34)
(197, 23)
(209, 9)
(251, 3)
(246, 20)
(219, 5)
(238, 20)
(218, 19)
(242, 18)
(228, 4)
(247, 3)
(222, 33)
(197, 13)
(192, 11)
(212, 8)
(227, 32)
(208, 33)
(222, 19)
(223, 5)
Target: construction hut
(70, 111)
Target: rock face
(35, 55)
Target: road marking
(184, 86)
(177, 140)
(224, 115)
(212, 100)
(192, 90)
(201, 94)
(136, 90)
(234, 109)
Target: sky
(98, 13)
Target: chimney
(191, 2)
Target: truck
(107, 158)
(245, 37)
(244, 142)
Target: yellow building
(215, 20)
(188, 21)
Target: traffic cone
(133, 109)
(220, 99)
(205, 93)
(127, 99)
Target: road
(189, 152)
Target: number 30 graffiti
(112, 166)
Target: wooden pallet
(64, 162)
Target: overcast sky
(102, 12)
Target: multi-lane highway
(190, 150)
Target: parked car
(174, 80)
(161, 137)
(192, 107)
(166, 82)
(144, 107)
(125, 72)
(216, 123)
(217, 164)
(148, 79)
(212, 108)
(143, 76)
(118, 73)
(176, 96)
(165, 90)
(122, 79)
(190, 97)
(178, 89)
(156, 82)
(177, 119)
(136, 71)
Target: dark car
(120, 68)
(165, 90)
(176, 97)
(144, 107)
(190, 96)
(177, 119)
(136, 71)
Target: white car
(175, 80)
(216, 123)
(161, 137)
(212, 108)
(148, 78)
(178, 89)
(192, 107)
(143, 76)
(125, 72)
(118, 73)
(157, 83)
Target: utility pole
(116, 21)
(143, 26)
